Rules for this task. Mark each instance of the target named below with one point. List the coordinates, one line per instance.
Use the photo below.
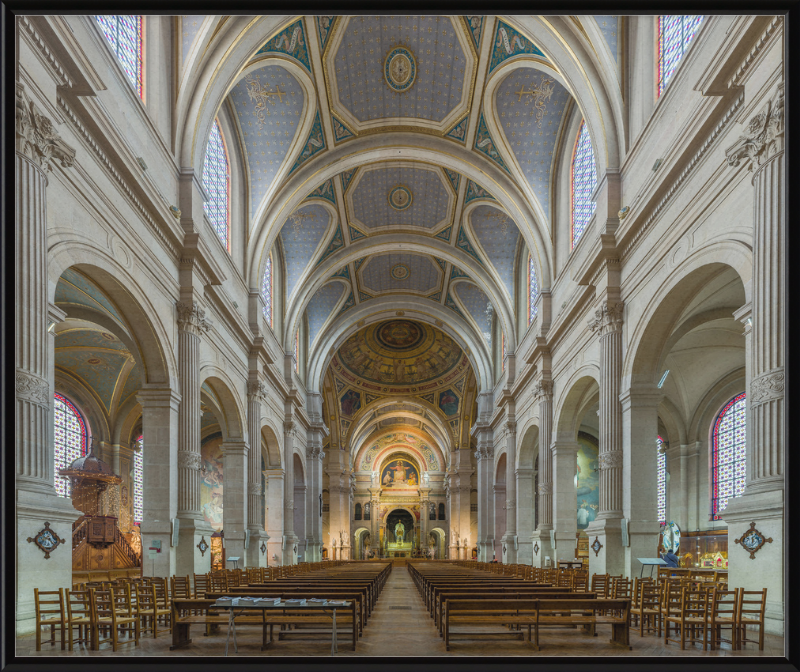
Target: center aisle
(399, 626)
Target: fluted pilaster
(544, 391)
(255, 393)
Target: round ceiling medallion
(400, 197)
(400, 334)
(400, 69)
(93, 360)
(400, 272)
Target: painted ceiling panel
(400, 272)
(190, 26)
(431, 200)
(133, 382)
(530, 105)
(439, 62)
(269, 105)
(87, 338)
(478, 306)
(76, 288)
(498, 235)
(98, 369)
(609, 26)
(301, 235)
(321, 306)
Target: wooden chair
(49, 606)
(181, 587)
(200, 585)
(693, 615)
(218, 583)
(105, 617)
(580, 582)
(599, 582)
(752, 604)
(148, 610)
(647, 609)
(79, 615)
(724, 610)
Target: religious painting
(448, 402)
(399, 473)
(211, 476)
(587, 480)
(351, 402)
(399, 334)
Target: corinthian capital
(543, 390)
(35, 136)
(192, 318)
(764, 136)
(607, 318)
(32, 388)
(256, 389)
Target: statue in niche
(399, 532)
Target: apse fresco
(399, 473)
(211, 481)
(448, 402)
(351, 402)
(587, 480)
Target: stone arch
(582, 390)
(227, 405)
(528, 449)
(271, 444)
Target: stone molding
(611, 459)
(49, 56)
(32, 388)
(767, 387)
(254, 489)
(288, 504)
(36, 138)
(189, 459)
(510, 503)
(545, 488)
(607, 318)
(764, 136)
(192, 318)
(734, 81)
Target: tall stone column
(191, 326)
(510, 537)
(38, 147)
(289, 538)
(424, 515)
(275, 481)
(255, 525)
(374, 494)
(542, 546)
(762, 149)
(607, 322)
(314, 458)
(160, 429)
(524, 478)
(485, 458)
(234, 498)
(565, 460)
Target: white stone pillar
(542, 546)
(510, 536)
(160, 429)
(253, 555)
(191, 325)
(290, 539)
(524, 478)
(275, 480)
(234, 498)
(565, 459)
(762, 149)
(314, 458)
(485, 458)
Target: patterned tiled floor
(401, 628)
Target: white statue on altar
(399, 532)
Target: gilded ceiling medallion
(400, 69)
(400, 272)
(400, 197)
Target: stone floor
(401, 628)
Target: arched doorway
(437, 543)
(402, 534)
(363, 544)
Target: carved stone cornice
(767, 387)
(192, 318)
(189, 459)
(49, 56)
(256, 390)
(36, 138)
(764, 136)
(543, 390)
(607, 318)
(32, 388)
(610, 460)
(749, 59)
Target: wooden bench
(537, 613)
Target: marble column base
(610, 559)
(33, 570)
(253, 555)
(290, 548)
(188, 558)
(540, 540)
(765, 570)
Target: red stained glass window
(533, 290)
(125, 36)
(675, 33)
(728, 454)
(70, 440)
(267, 288)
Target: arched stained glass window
(267, 289)
(138, 481)
(357, 515)
(674, 35)
(71, 438)
(584, 180)
(661, 480)
(533, 290)
(217, 183)
(366, 511)
(728, 455)
(125, 35)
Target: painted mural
(448, 402)
(351, 402)
(211, 480)
(587, 480)
(399, 473)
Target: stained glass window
(674, 35)
(661, 480)
(217, 183)
(70, 440)
(124, 34)
(584, 180)
(728, 455)
(266, 290)
(138, 480)
(533, 290)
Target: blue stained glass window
(584, 180)
(70, 440)
(217, 183)
(124, 34)
(661, 480)
(728, 454)
(674, 35)
(533, 290)
(267, 289)
(138, 481)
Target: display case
(217, 551)
(704, 550)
